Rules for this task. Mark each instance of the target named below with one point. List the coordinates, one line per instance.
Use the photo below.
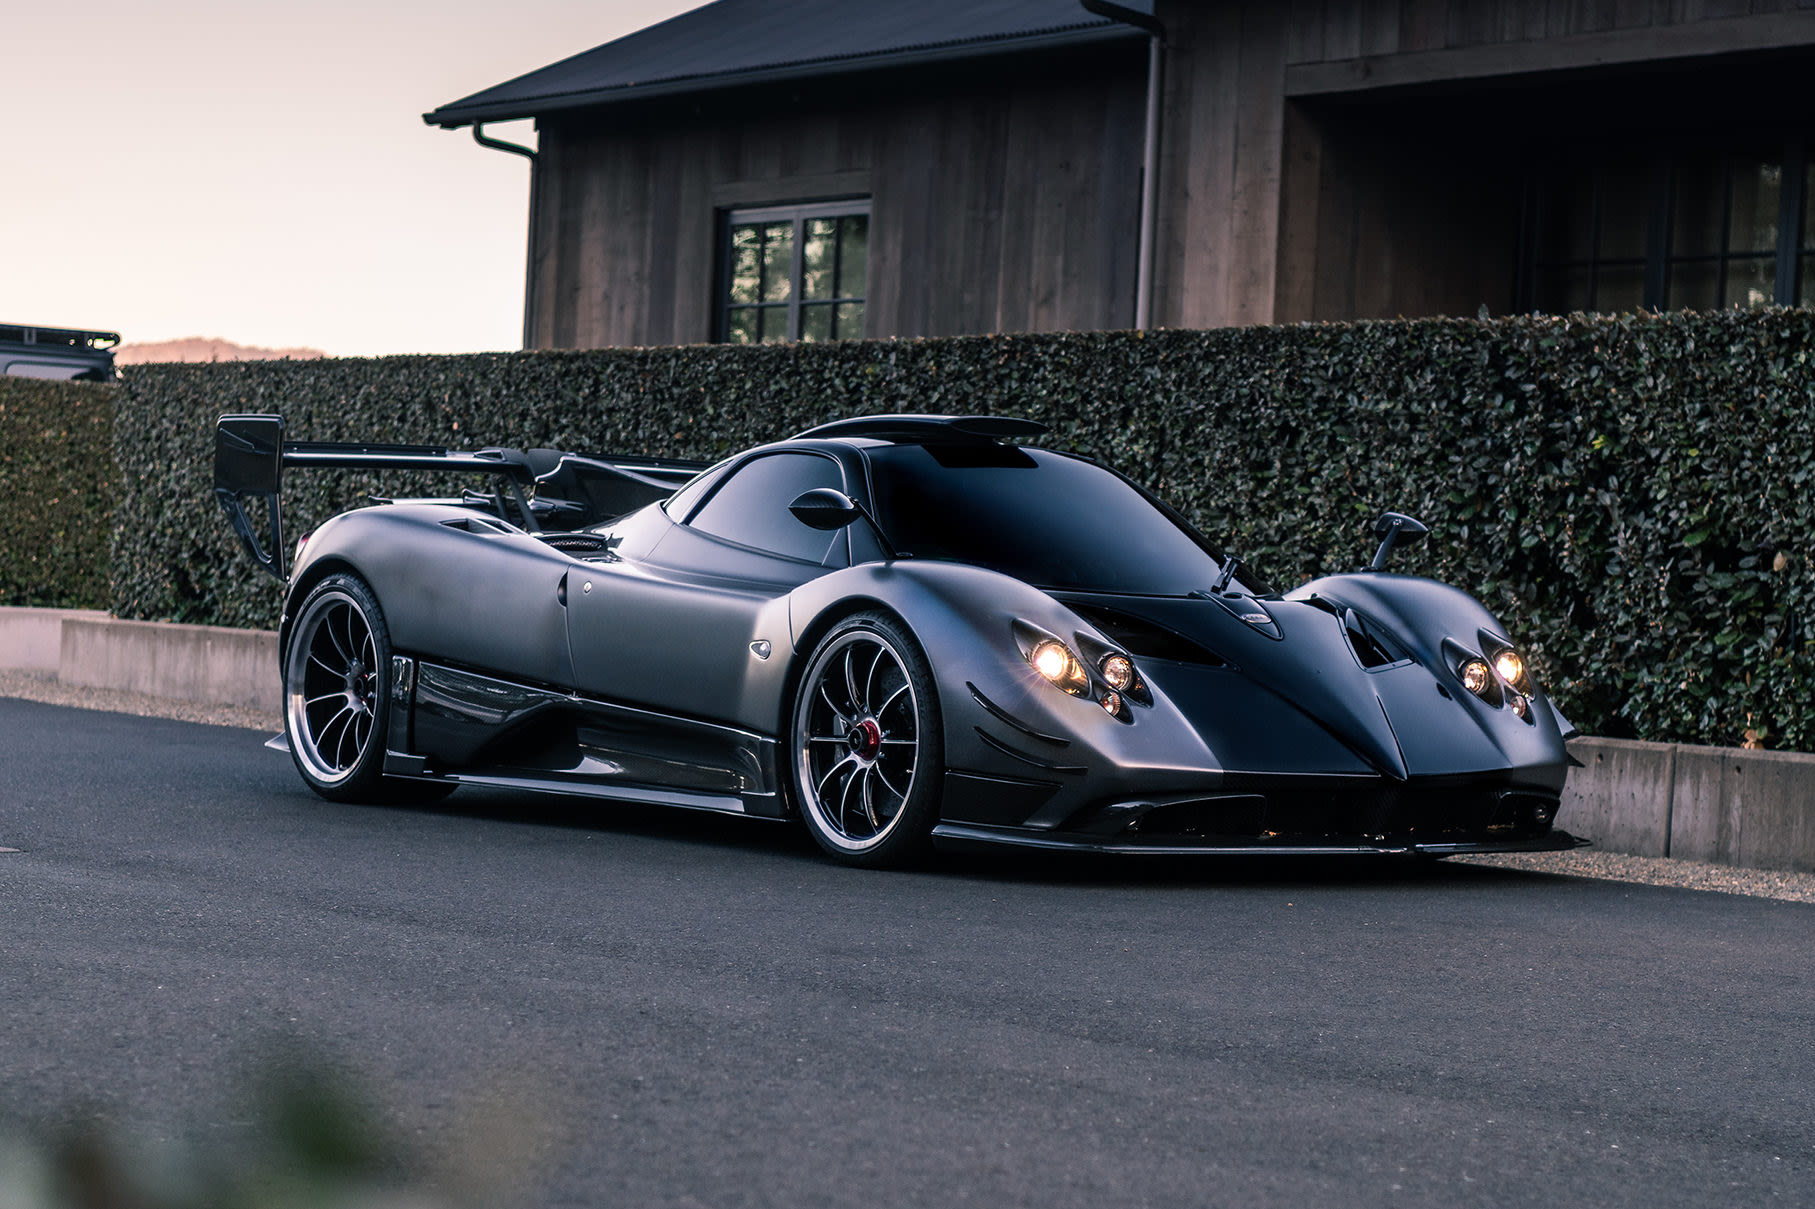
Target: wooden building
(813, 169)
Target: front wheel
(868, 759)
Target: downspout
(535, 182)
(1150, 153)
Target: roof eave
(458, 114)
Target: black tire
(337, 696)
(867, 757)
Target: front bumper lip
(967, 835)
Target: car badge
(761, 648)
(1256, 618)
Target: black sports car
(901, 629)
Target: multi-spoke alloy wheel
(866, 740)
(336, 677)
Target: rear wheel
(337, 696)
(868, 760)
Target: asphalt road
(639, 1007)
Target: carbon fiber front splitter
(969, 835)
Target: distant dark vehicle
(56, 352)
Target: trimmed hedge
(57, 479)
(1629, 494)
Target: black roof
(734, 42)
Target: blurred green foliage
(1630, 494)
(57, 479)
(305, 1140)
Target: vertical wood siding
(1006, 198)
(999, 203)
(1278, 210)
(1325, 31)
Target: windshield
(1051, 520)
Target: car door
(673, 630)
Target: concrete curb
(1754, 809)
(1723, 805)
(213, 665)
(31, 639)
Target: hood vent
(1371, 650)
(1145, 639)
(1372, 645)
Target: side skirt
(451, 725)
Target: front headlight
(1510, 667)
(1054, 660)
(1476, 678)
(1084, 666)
(1118, 673)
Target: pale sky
(260, 172)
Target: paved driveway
(642, 1007)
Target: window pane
(849, 323)
(1563, 290)
(817, 253)
(1619, 287)
(1808, 209)
(853, 257)
(1808, 280)
(1568, 232)
(1751, 282)
(774, 324)
(807, 254)
(778, 261)
(1622, 217)
(1700, 191)
(752, 507)
(1756, 189)
(745, 263)
(1694, 285)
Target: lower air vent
(1233, 816)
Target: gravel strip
(44, 687)
(1658, 871)
(1605, 866)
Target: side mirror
(824, 508)
(1393, 529)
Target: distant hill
(199, 348)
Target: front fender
(1424, 615)
(963, 617)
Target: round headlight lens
(1510, 667)
(1052, 661)
(1476, 678)
(1520, 706)
(1118, 673)
(1113, 703)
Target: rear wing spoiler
(251, 455)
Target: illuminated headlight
(1510, 667)
(1118, 673)
(1476, 678)
(1113, 703)
(1055, 661)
